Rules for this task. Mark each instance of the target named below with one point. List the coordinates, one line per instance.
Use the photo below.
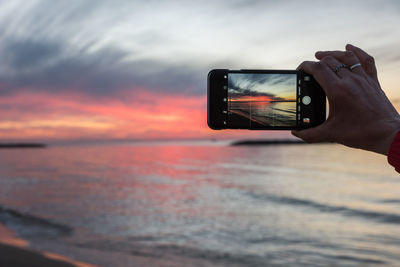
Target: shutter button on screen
(306, 100)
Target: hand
(360, 114)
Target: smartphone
(264, 100)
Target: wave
(283, 110)
(346, 211)
(181, 255)
(31, 226)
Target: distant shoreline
(23, 145)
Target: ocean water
(204, 204)
(266, 113)
(276, 113)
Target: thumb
(312, 135)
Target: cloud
(49, 66)
(108, 47)
(104, 62)
(271, 85)
(58, 46)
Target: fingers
(367, 61)
(334, 63)
(321, 72)
(313, 135)
(347, 57)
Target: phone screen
(259, 100)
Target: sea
(204, 203)
(266, 113)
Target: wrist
(383, 145)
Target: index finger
(321, 72)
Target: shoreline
(15, 251)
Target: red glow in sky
(138, 114)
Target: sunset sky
(261, 87)
(103, 70)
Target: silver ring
(354, 66)
(338, 67)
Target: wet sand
(14, 251)
(15, 256)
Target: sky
(262, 87)
(112, 70)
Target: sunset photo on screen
(262, 100)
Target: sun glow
(141, 114)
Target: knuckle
(318, 65)
(369, 60)
(308, 63)
(304, 64)
(348, 54)
(328, 58)
(315, 66)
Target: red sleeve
(394, 153)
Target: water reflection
(321, 203)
